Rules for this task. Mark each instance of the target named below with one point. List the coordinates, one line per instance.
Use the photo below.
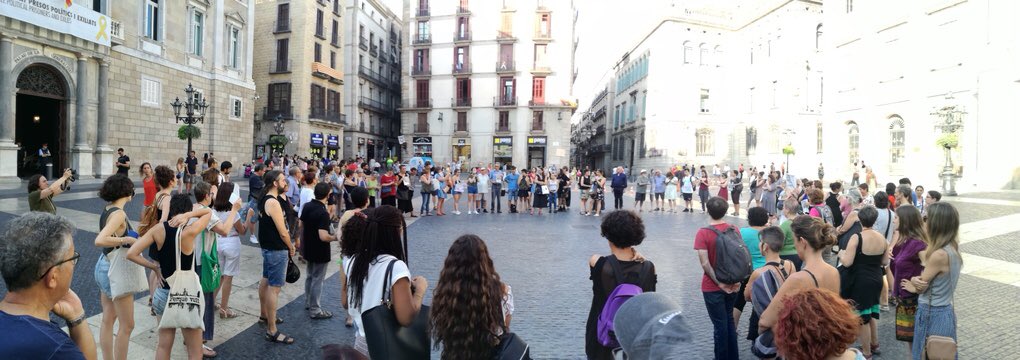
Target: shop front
(315, 147)
(462, 153)
(421, 146)
(333, 146)
(503, 150)
(536, 151)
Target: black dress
(864, 283)
(404, 202)
(541, 198)
(603, 282)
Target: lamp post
(949, 124)
(194, 110)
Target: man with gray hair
(37, 261)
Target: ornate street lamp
(788, 150)
(278, 127)
(194, 111)
(949, 124)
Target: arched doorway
(41, 117)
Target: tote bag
(386, 338)
(126, 277)
(211, 271)
(185, 303)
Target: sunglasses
(73, 260)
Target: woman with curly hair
(471, 307)
(115, 234)
(816, 324)
(624, 230)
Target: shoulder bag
(937, 347)
(512, 347)
(126, 277)
(210, 270)
(386, 338)
(185, 303)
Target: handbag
(937, 347)
(210, 269)
(512, 347)
(185, 303)
(126, 277)
(502, 192)
(293, 271)
(386, 338)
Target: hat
(652, 326)
(643, 171)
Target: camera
(74, 175)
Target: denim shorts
(472, 189)
(511, 194)
(159, 298)
(274, 266)
(102, 274)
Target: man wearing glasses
(37, 260)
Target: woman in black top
(404, 192)
(165, 238)
(541, 199)
(624, 230)
(564, 190)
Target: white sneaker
(253, 239)
(456, 212)
(596, 214)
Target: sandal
(322, 315)
(279, 338)
(875, 350)
(208, 352)
(152, 310)
(227, 313)
(349, 322)
(262, 320)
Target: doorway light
(35, 119)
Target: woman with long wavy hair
(471, 307)
(937, 283)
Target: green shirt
(371, 184)
(37, 203)
(788, 248)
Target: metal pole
(189, 141)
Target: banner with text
(60, 15)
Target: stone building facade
(373, 62)
(298, 72)
(87, 99)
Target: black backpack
(837, 215)
(732, 259)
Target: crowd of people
(818, 269)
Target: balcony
(374, 51)
(422, 13)
(462, 10)
(421, 71)
(541, 69)
(506, 67)
(325, 115)
(279, 67)
(461, 36)
(421, 129)
(373, 105)
(503, 101)
(542, 36)
(421, 39)
(363, 43)
(537, 126)
(538, 103)
(281, 26)
(419, 104)
(505, 36)
(502, 129)
(383, 56)
(371, 75)
(461, 68)
(460, 102)
(286, 112)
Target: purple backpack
(623, 292)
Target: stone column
(8, 151)
(103, 158)
(81, 153)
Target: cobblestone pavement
(544, 259)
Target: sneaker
(456, 212)
(596, 215)
(253, 239)
(588, 214)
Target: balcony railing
(422, 13)
(363, 43)
(374, 51)
(325, 115)
(373, 105)
(463, 10)
(541, 68)
(505, 36)
(372, 76)
(537, 102)
(383, 56)
(422, 39)
(461, 68)
(421, 71)
(462, 36)
(419, 104)
(537, 125)
(281, 26)
(502, 128)
(506, 66)
(541, 35)
(421, 128)
(461, 126)
(320, 32)
(504, 101)
(279, 67)
(269, 114)
(461, 102)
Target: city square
(717, 95)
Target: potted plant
(948, 140)
(788, 150)
(186, 131)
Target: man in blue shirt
(659, 189)
(511, 179)
(618, 184)
(37, 264)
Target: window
(705, 147)
(422, 92)
(463, 92)
(318, 52)
(538, 90)
(152, 20)
(854, 142)
(544, 26)
(540, 53)
(282, 55)
(460, 58)
(234, 48)
(624, 117)
(775, 85)
(704, 100)
(421, 60)
(688, 52)
(196, 97)
(235, 108)
(536, 121)
(750, 141)
(616, 117)
(504, 121)
(462, 28)
(849, 6)
(336, 7)
(752, 56)
(197, 32)
(335, 39)
(318, 99)
(633, 106)
(279, 98)
(703, 56)
(151, 92)
(333, 103)
(332, 59)
(423, 125)
(423, 30)
(506, 56)
(461, 121)
(283, 17)
(319, 31)
(508, 95)
(506, 25)
(750, 100)
(818, 139)
(896, 140)
(818, 38)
